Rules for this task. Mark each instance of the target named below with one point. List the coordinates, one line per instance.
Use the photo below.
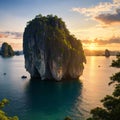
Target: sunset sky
(95, 22)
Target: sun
(92, 46)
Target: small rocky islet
(6, 50)
(50, 51)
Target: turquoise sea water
(46, 100)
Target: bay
(49, 100)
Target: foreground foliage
(3, 115)
(116, 63)
(111, 110)
(68, 118)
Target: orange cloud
(13, 35)
(113, 40)
(3, 36)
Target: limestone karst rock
(6, 50)
(50, 51)
(107, 53)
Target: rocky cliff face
(50, 51)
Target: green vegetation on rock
(111, 103)
(54, 30)
(49, 46)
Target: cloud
(109, 18)
(13, 35)
(113, 40)
(3, 35)
(95, 10)
(116, 1)
(106, 12)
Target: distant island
(107, 53)
(99, 52)
(50, 51)
(7, 50)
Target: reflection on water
(52, 100)
(49, 100)
(95, 80)
(92, 66)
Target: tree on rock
(6, 50)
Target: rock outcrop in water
(50, 51)
(6, 50)
(107, 53)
